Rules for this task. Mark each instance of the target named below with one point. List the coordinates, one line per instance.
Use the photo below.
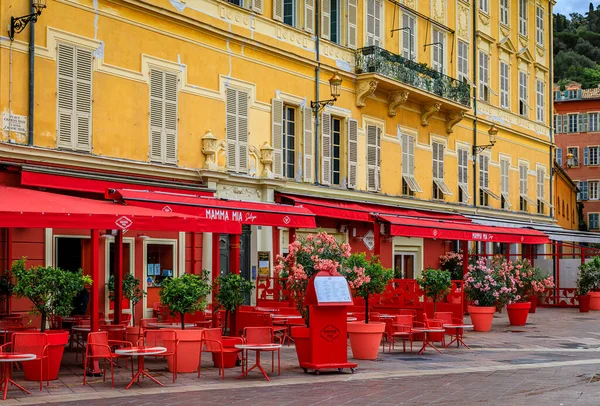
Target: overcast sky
(567, 7)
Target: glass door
(404, 265)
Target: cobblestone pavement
(554, 360)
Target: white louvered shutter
(325, 19)
(170, 122)
(372, 158)
(156, 115)
(326, 149)
(83, 100)
(242, 115)
(352, 23)
(278, 10)
(378, 161)
(231, 129)
(371, 23)
(66, 95)
(257, 6)
(309, 16)
(308, 143)
(377, 33)
(352, 153)
(277, 131)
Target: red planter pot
(584, 303)
(481, 317)
(365, 338)
(302, 342)
(57, 339)
(594, 300)
(517, 313)
(533, 299)
(188, 350)
(229, 359)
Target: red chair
(144, 325)
(262, 335)
(401, 329)
(409, 312)
(100, 347)
(79, 337)
(448, 318)
(33, 343)
(163, 338)
(213, 342)
(433, 324)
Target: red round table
(257, 348)
(460, 330)
(140, 353)
(6, 359)
(426, 341)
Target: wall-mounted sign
(264, 263)
(14, 123)
(369, 240)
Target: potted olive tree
(132, 291)
(366, 278)
(435, 284)
(186, 294)
(229, 293)
(51, 292)
(6, 290)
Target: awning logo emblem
(123, 222)
(286, 220)
(167, 209)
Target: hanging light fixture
(335, 85)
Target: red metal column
(193, 254)
(292, 235)
(234, 253)
(276, 242)
(118, 276)
(582, 255)
(9, 260)
(94, 294)
(377, 238)
(216, 257)
(465, 252)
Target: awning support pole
(291, 235)
(216, 270)
(118, 276)
(234, 253)
(94, 293)
(377, 238)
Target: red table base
(141, 372)
(258, 365)
(6, 373)
(457, 339)
(427, 343)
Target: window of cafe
(404, 265)
(160, 262)
(68, 253)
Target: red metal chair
(33, 343)
(409, 312)
(144, 325)
(213, 342)
(79, 337)
(263, 335)
(432, 324)
(401, 329)
(100, 347)
(163, 338)
(448, 318)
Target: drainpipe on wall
(317, 74)
(31, 81)
(475, 194)
(550, 97)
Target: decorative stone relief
(484, 18)
(505, 30)
(238, 193)
(429, 110)
(411, 3)
(266, 158)
(237, 16)
(523, 41)
(463, 21)
(454, 117)
(293, 37)
(438, 11)
(210, 147)
(540, 51)
(395, 99)
(364, 89)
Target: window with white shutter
(278, 7)
(504, 86)
(163, 116)
(539, 25)
(325, 148)
(74, 98)
(439, 186)
(540, 100)
(541, 198)
(352, 23)
(409, 36)
(437, 51)
(523, 104)
(593, 153)
(409, 182)
(373, 26)
(504, 184)
(484, 78)
(309, 16)
(237, 130)
(352, 153)
(559, 156)
(573, 123)
(277, 140)
(484, 6)
(308, 142)
(593, 190)
(524, 199)
(373, 158)
(463, 61)
(504, 5)
(326, 18)
(523, 17)
(463, 175)
(592, 122)
(484, 181)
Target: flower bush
(522, 280)
(589, 276)
(483, 285)
(453, 262)
(366, 277)
(307, 256)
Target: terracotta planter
(132, 335)
(517, 313)
(188, 350)
(594, 300)
(229, 359)
(57, 339)
(481, 317)
(584, 303)
(365, 338)
(533, 299)
(301, 336)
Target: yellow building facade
(219, 93)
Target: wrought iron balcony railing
(373, 59)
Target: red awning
(26, 208)
(451, 230)
(225, 211)
(358, 211)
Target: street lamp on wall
(570, 160)
(335, 83)
(492, 132)
(18, 24)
